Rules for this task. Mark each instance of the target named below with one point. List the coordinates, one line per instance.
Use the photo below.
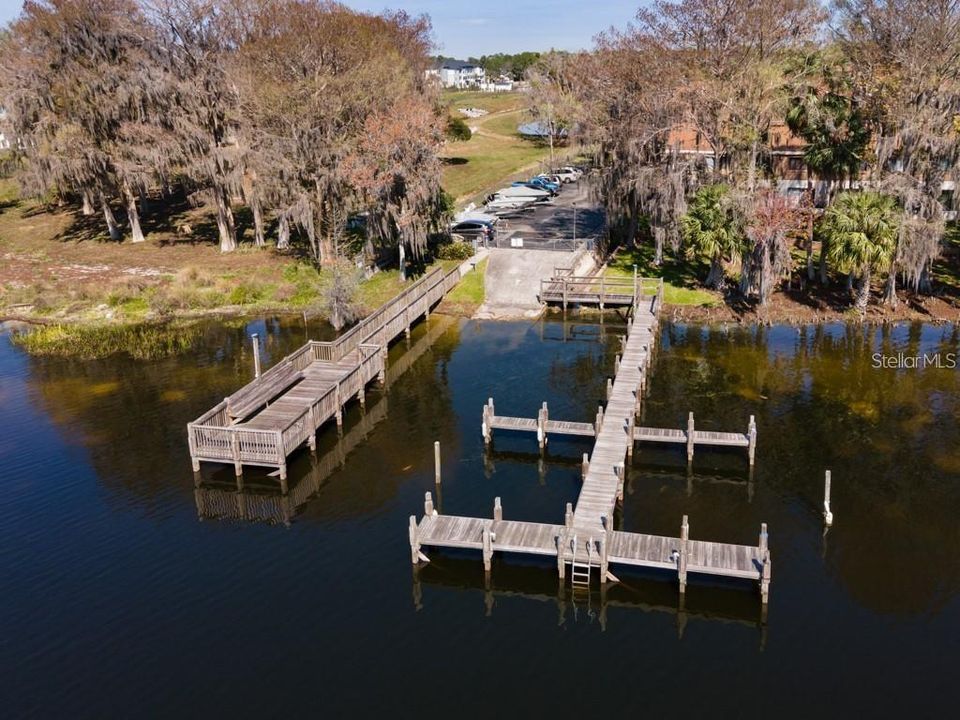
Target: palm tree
(861, 229)
(711, 230)
(823, 112)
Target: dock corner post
(561, 548)
(414, 541)
(256, 355)
(631, 434)
(487, 549)
(599, 422)
(752, 438)
(362, 396)
(428, 510)
(436, 462)
(497, 509)
(585, 467)
(690, 431)
(620, 472)
(339, 412)
(487, 427)
(195, 463)
(764, 551)
(827, 513)
(235, 448)
(682, 560)
(568, 516)
(382, 375)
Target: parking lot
(561, 223)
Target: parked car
(555, 179)
(567, 174)
(481, 230)
(545, 184)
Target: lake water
(127, 590)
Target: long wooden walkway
(282, 408)
(586, 541)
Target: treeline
(303, 110)
(687, 105)
(513, 66)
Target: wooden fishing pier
(281, 409)
(586, 543)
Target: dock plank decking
(587, 539)
(282, 408)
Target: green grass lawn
(681, 279)
(491, 102)
(469, 294)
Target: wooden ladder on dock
(580, 571)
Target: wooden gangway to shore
(586, 543)
(281, 409)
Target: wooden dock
(566, 289)
(281, 409)
(263, 503)
(586, 543)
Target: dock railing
(212, 436)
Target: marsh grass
(145, 341)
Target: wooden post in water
(827, 514)
(487, 549)
(585, 466)
(497, 509)
(414, 540)
(256, 355)
(690, 431)
(436, 461)
(631, 428)
(620, 472)
(682, 560)
(609, 388)
(428, 504)
(765, 558)
(487, 425)
(599, 421)
(568, 516)
(752, 438)
(542, 427)
(616, 365)
(235, 449)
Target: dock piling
(497, 509)
(568, 516)
(255, 339)
(414, 541)
(690, 431)
(682, 559)
(609, 388)
(428, 504)
(827, 514)
(436, 461)
(752, 439)
(585, 466)
(487, 549)
(599, 422)
(542, 426)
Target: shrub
(455, 251)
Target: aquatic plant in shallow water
(142, 341)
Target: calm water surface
(126, 590)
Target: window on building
(795, 163)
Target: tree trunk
(863, 292)
(112, 226)
(658, 236)
(890, 291)
(925, 283)
(824, 246)
(715, 276)
(810, 272)
(752, 170)
(87, 202)
(403, 263)
(133, 214)
(283, 233)
(225, 226)
(258, 232)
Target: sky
(464, 28)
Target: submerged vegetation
(145, 341)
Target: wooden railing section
(212, 436)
